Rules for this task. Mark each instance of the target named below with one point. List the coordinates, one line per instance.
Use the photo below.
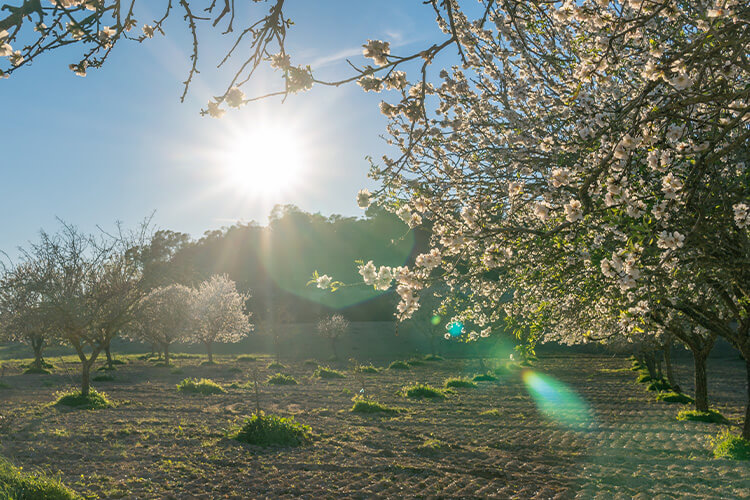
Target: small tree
(165, 316)
(332, 329)
(219, 311)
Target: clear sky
(118, 144)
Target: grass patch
(415, 362)
(369, 407)
(281, 379)
(36, 371)
(94, 401)
(310, 363)
(367, 369)
(17, 485)
(276, 366)
(104, 378)
(208, 363)
(731, 446)
(246, 358)
(643, 378)
(272, 430)
(614, 370)
(494, 413)
(710, 416)
(422, 391)
(674, 397)
(399, 365)
(459, 382)
(484, 377)
(659, 385)
(636, 366)
(433, 357)
(325, 372)
(202, 386)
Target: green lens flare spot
(556, 401)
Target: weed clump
(33, 370)
(95, 400)
(423, 391)
(202, 386)
(674, 397)
(710, 416)
(643, 378)
(495, 413)
(484, 377)
(246, 358)
(362, 405)
(731, 446)
(330, 373)
(276, 366)
(15, 484)
(659, 385)
(399, 365)
(281, 379)
(433, 357)
(459, 383)
(272, 430)
(367, 369)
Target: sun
(264, 161)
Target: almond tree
(219, 312)
(166, 316)
(332, 329)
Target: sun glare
(264, 161)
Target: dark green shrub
(422, 391)
(731, 446)
(659, 385)
(459, 382)
(272, 430)
(276, 366)
(484, 377)
(94, 401)
(674, 397)
(246, 358)
(104, 378)
(710, 416)
(325, 372)
(17, 485)
(362, 405)
(202, 386)
(281, 379)
(399, 365)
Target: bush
(423, 391)
(36, 371)
(325, 372)
(731, 446)
(103, 378)
(485, 377)
(246, 358)
(433, 357)
(281, 379)
(202, 386)
(459, 382)
(710, 416)
(276, 366)
(674, 397)
(367, 406)
(25, 486)
(659, 385)
(367, 369)
(94, 401)
(272, 430)
(399, 365)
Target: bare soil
(159, 443)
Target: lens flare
(556, 401)
(455, 329)
(435, 320)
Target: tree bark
(701, 379)
(670, 369)
(110, 363)
(166, 353)
(38, 345)
(333, 348)
(209, 349)
(648, 359)
(85, 378)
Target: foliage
(731, 446)
(276, 366)
(362, 405)
(459, 383)
(326, 372)
(367, 369)
(484, 377)
(422, 391)
(710, 416)
(18, 485)
(674, 397)
(200, 386)
(246, 358)
(281, 379)
(659, 385)
(271, 430)
(95, 400)
(399, 365)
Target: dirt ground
(159, 443)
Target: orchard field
(493, 440)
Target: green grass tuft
(246, 358)
(368, 406)
(643, 378)
(17, 485)
(36, 371)
(208, 363)
(710, 416)
(94, 401)
(281, 379)
(272, 430)
(674, 397)
(422, 391)
(325, 372)
(433, 357)
(367, 369)
(659, 385)
(276, 366)
(399, 365)
(731, 446)
(459, 382)
(202, 386)
(485, 377)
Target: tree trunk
(701, 380)
(670, 370)
(746, 428)
(649, 361)
(209, 349)
(333, 348)
(166, 354)
(110, 363)
(38, 345)
(85, 378)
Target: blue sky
(118, 144)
